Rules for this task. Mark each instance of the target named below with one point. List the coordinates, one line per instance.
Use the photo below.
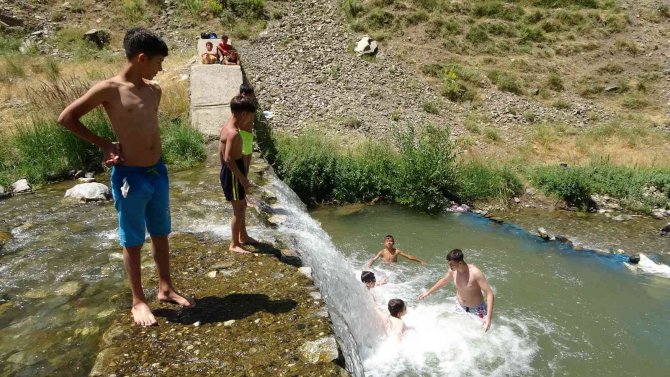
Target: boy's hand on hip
(111, 154)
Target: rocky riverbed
(255, 316)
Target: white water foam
(648, 266)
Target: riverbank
(255, 316)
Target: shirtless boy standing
(234, 170)
(389, 254)
(469, 282)
(139, 177)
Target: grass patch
(134, 10)
(576, 184)
(426, 173)
(430, 108)
(505, 81)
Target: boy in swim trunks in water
(469, 282)
(397, 309)
(368, 278)
(389, 254)
(139, 177)
(234, 169)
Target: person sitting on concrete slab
(224, 48)
(210, 56)
(233, 58)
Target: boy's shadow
(235, 306)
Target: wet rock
(665, 230)
(277, 219)
(86, 180)
(36, 293)
(89, 174)
(577, 246)
(634, 259)
(25, 358)
(103, 361)
(99, 37)
(212, 274)
(622, 217)
(291, 257)
(543, 233)
(315, 295)
(112, 334)
(229, 323)
(4, 193)
(78, 174)
(659, 213)
(86, 331)
(87, 192)
(307, 271)
(21, 187)
(320, 350)
(70, 288)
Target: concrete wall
(212, 87)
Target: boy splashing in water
(139, 177)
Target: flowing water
(558, 312)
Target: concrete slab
(212, 88)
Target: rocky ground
(306, 73)
(255, 316)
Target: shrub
(430, 108)
(479, 181)
(634, 102)
(561, 104)
(531, 34)
(378, 19)
(9, 44)
(456, 89)
(555, 82)
(570, 185)
(352, 8)
(477, 35)
(183, 145)
(505, 81)
(497, 9)
(135, 10)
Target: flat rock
(4, 193)
(87, 192)
(320, 350)
(21, 187)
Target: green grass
(425, 172)
(135, 10)
(576, 184)
(505, 81)
(430, 108)
(44, 151)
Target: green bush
(183, 145)
(505, 81)
(352, 8)
(479, 181)
(9, 44)
(420, 172)
(555, 82)
(477, 35)
(135, 10)
(497, 9)
(576, 184)
(430, 108)
(569, 184)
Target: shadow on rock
(234, 306)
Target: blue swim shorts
(146, 205)
(479, 311)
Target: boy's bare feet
(239, 249)
(175, 298)
(248, 241)
(142, 315)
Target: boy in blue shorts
(139, 177)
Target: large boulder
(366, 46)
(99, 37)
(87, 192)
(21, 186)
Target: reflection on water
(557, 311)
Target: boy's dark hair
(241, 104)
(224, 36)
(209, 44)
(455, 255)
(396, 306)
(389, 236)
(368, 277)
(140, 40)
(247, 89)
